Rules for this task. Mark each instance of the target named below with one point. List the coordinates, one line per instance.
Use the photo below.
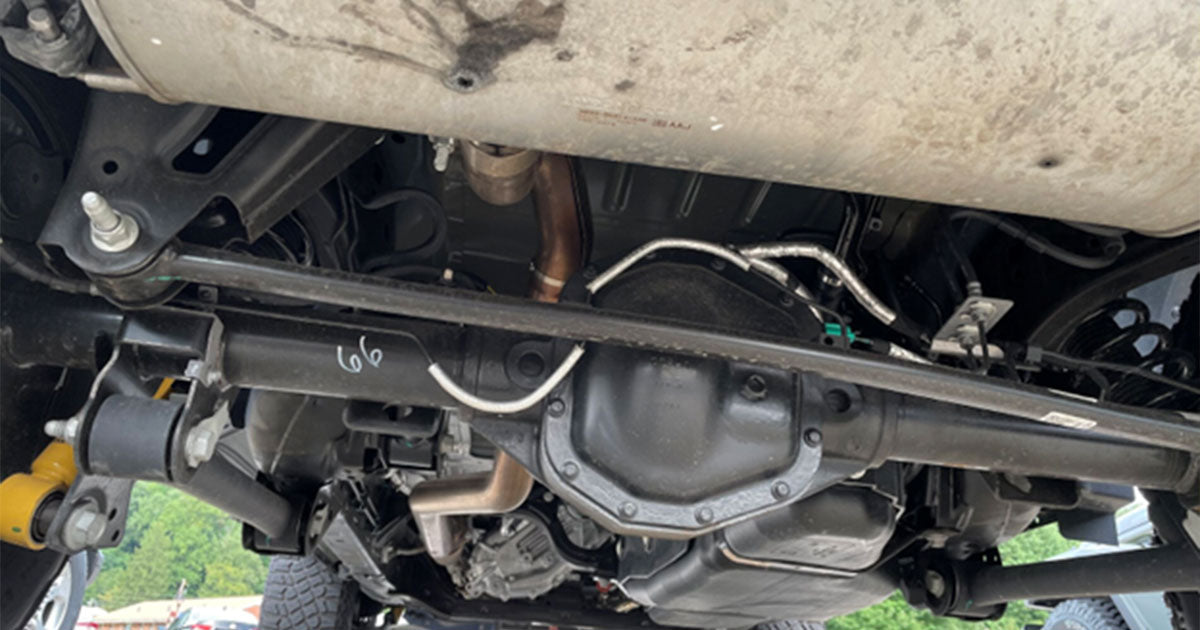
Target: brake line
(507, 406)
(746, 258)
(455, 391)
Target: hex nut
(65, 430)
(981, 311)
(41, 21)
(111, 231)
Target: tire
(1099, 613)
(63, 599)
(790, 624)
(1185, 610)
(306, 594)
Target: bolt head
(556, 407)
(199, 447)
(628, 510)
(704, 515)
(84, 527)
(780, 490)
(812, 437)
(755, 388)
(935, 584)
(570, 470)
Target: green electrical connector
(835, 330)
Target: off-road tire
(304, 593)
(791, 624)
(1097, 613)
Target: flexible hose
(1042, 246)
(36, 273)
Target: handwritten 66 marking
(354, 362)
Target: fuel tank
(1086, 110)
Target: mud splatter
(358, 13)
(277, 32)
(488, 42)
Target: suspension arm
(1142, 571)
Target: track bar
(582, 322)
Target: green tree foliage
(170, 537)
(895, 614)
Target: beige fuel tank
(1085, 110)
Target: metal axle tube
(196, 264)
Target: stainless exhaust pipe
(435, 502)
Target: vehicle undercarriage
(483, 380)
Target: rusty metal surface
(1082, 110)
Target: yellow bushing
(22, 494)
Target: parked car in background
(1135, 611)
(214, 619)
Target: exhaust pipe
(561, 248)
(435, 502)
(438, 505)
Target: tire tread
(305, 594)
(1095, 613)
(790, 624)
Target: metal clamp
(961, 330)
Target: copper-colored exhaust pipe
(435, 503)
(558, 220)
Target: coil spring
(1100, 338)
